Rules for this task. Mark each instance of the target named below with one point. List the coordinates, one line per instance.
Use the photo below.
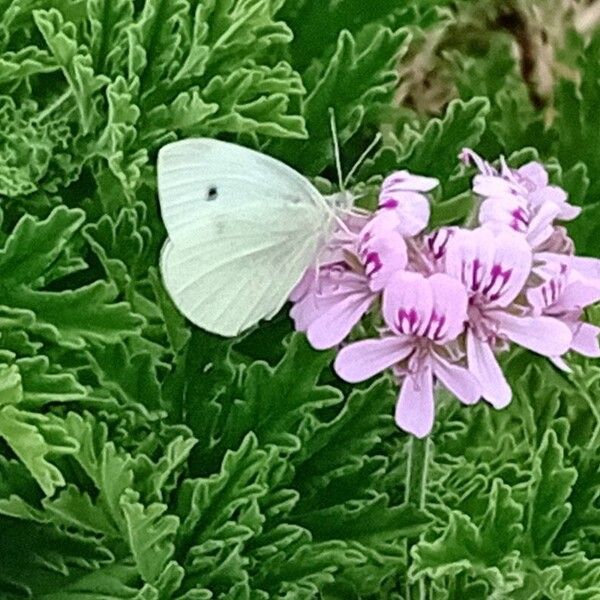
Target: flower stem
(416, 482)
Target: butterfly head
(341, 201)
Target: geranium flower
(523, 199)
(564, 293)
(424, 315)
(402, 197)
(494, 267)
(331, 300)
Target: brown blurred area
(537, 35)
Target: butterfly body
(243, 228)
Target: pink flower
(401, 195)
(563, 294)
(521, 198)
(494, 268)
(330, 301)
(425, 314)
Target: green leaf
(34, 245)
(107, 38)
(361, 73)
(550, 488)
(150, 535)
(434, 149)
(25, 62)
(75, 62)
(35, 439)
(489, 550)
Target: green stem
(416, 483)
(56, 104)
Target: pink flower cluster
(449, 300)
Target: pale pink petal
(412, 211)
(315, 295)
(335, 323)
(304, 285)
(485, 367)
(361, 360)
(467, 156)
(585, 340)
(382, 251)
(405, 181)
(449, 308)
(579, 294)
(535, 173)
(540, 226)
(469, 256)
(458, 380)
(491, 185)
(415, 407)
(511, 268)
(560, 363)
(568, 212)
(549, 193)
(438, 240)
(407, 303)
(493, 264)
(511, 211)
(545, 335)
(587, 266)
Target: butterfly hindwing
(243, 228)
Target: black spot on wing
(212, 193)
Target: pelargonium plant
(449, 301)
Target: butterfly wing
(243, 228)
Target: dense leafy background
(141, 458)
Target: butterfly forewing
(243, 228)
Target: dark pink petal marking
(498, 279)
(407, 321)
(389, 203)
(372, 262)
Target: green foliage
(141, 458)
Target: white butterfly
(243, 228)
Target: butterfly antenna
(336, 148)
(361, 159)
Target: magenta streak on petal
(545, 297)
(408, 318)
(389, 203)
(520, 221)
(434, 328)
(438, 334)
(436, 246)
(498, 279)
(372, 262)
(553, 290)
(475, 282)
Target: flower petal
(411, 209)
(493, 264)
(511, 211)
(485, 367)
(579, 294)
(449, 308)
(586, 266)
(406, 181)
(545, 335)
(585, 340)
(458, 380)
(415, 408)
(540, 226)
(361, 360)
(535, 173)
(494, 185)
(335, 323)
(382, 250)
(407, 303)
